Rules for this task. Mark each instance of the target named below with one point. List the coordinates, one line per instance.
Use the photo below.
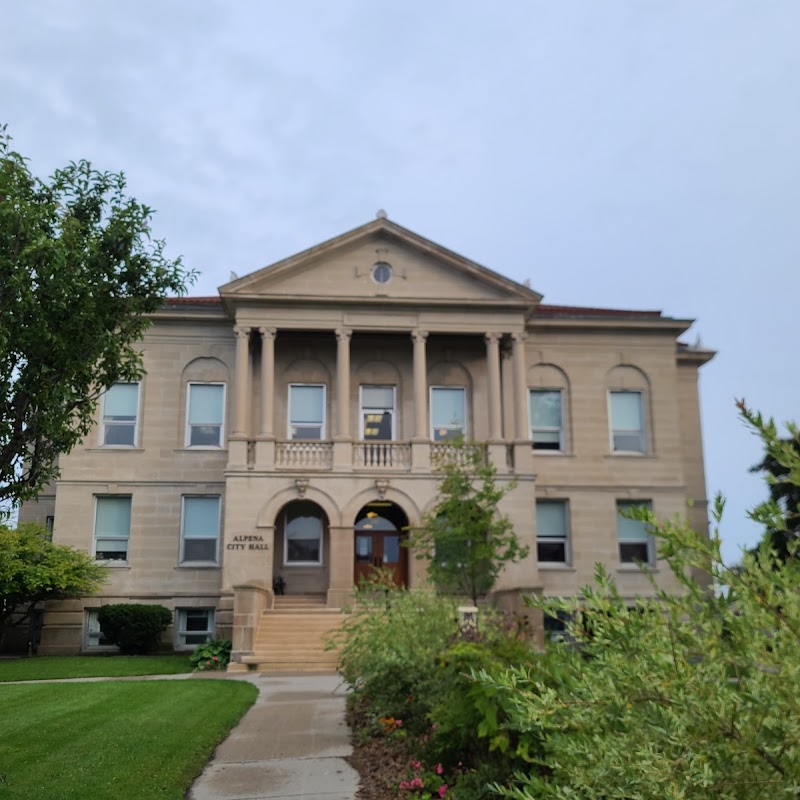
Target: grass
(47, 667)
(141, 740)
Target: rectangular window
(448, 413)
(635, 543)
(552, 537)
(627, 422)
(546, 419)
(195, 626)
(303, 526)
(94, 636)
(200, 530)
(377, 413)
(112, 528)
(205, 415)
(120, 410)
(306, 411)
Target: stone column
(494, 394)
(241, 422)
(340, 553)
(523, 452)
(265, 441)
(343, 384)
(421, 427)
(521, 431)
(267, 382)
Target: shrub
(389, 646)
(133, 627)
(212, 655)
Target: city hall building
(286, 433)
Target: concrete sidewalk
(291, 744)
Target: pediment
(420, 273)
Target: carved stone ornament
(302, 486)
(382, 484)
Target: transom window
(627, 422)
(381, 272)
(303, 526)
(635, 543)
(552, 539)
(547, 431)
(120, 410)
(206, 411)
(194, 626)
(448, 413)
(377, 413)
(112, 528)
(200, 530)
(306, 411)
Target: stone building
(285, 430)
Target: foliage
(33, 569)
(388, 648)
(780, 458)
(107, 665)
(134, 627)
(464, 538)
(141, 740)
(685, 696)
(79, 272)
(214, 654)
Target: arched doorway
(301, 546)
(380, 528)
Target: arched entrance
(380, 528)
(301, 549)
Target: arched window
(304, 522)
(548, 399)
(628, 403)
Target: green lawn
(141, 740)
(45, 667)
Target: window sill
(552, 567)
(113, 564)
(303, 564)
(636, 569)
(201, 449)
(198, 565)
(116, 448)
(552, 453)
(630, 454)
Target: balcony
(382, 456)
(303, 455)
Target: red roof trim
(580, 311)
(541, 309)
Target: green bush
(212, 655)
(389, 646)
(133, 627)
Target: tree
(79, 273)
(464, 537)
(690, 695)
(33, 570)
(781, 533)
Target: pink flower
(417, 783)
(215, 658)
(439, 769)
(442, 789)
(416, 764)
(398, 723)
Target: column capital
(242, 331)
(519, 336)
(492, 336)
(419, 335)
(268, 333)
(343, 334)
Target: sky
(624, 153)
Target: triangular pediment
(343, 268)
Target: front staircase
(291, 636)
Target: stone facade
(376, 312)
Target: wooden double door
(380, 549)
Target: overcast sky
(640, 154)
